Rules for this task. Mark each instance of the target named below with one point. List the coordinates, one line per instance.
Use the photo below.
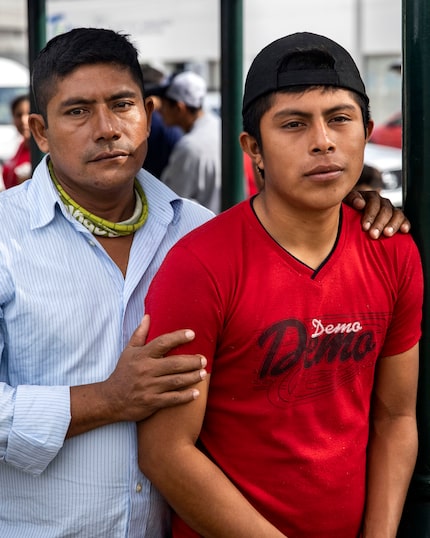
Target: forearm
(391, 459)
(90, 409)
(202, 495)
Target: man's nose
(106, 124)
(321, 139)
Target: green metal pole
(231, 102)
(416, 165)
(36, 17)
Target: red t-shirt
(11, 168)
(292, 353)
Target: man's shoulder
(206, 128)
(164, 203)
(191, 208)
(399, 247)
(13, 202)
(217, 234)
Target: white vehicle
(14, 81)
(389, 161)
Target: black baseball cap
(301, 59)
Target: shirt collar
(164, 205)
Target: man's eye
(340, 119)
(123, 104)
(292, 124)
(76, 112)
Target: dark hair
(80, 46)
(17, 101)
(252, 116)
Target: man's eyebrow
(78, 100)
(285, 112)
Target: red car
(389, 133)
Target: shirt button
(138, 487)
(91, 243)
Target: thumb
(138, 338)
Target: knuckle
(181, 381)
(387, 203)
(177, 381)
(180, 363)
(162, 341)
(146, 369)
(176, 366)
(176, 398)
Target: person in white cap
(194, 167)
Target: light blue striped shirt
(66, 315)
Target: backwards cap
(282, 64)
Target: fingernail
(366, 225)
(203, 374)
(389, 230)
(189, 334)
(196, 393)
(375, 233)
(203, 361)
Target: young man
(305, 425)
(194, 167)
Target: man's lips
(325, 172)
(106, 155)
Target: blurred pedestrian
(194, 167)
(162, 138)
(18, 168)
(370, 179)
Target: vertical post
(36, 20)
(231, 101)
(416, 166)
(358, 56)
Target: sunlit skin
(312, 155)
(98, 125)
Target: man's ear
(38, 130)
(149, 108)
(181, 106)
(369, 130)
(250, 146)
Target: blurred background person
(18, 168)
(370, 179)
(162, 138)
(194, 167)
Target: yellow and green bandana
(102, 227)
